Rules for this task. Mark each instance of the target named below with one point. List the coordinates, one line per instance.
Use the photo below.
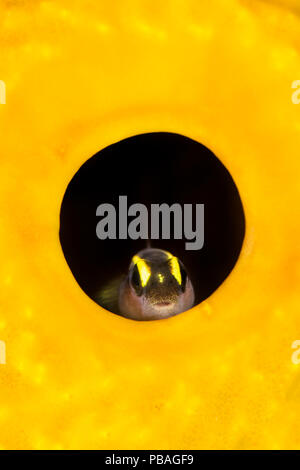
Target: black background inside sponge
(152, 168)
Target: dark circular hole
(151, 168)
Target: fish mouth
(164, 305)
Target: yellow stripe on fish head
(143, 268)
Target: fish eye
(135, 280)
(183, 276)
